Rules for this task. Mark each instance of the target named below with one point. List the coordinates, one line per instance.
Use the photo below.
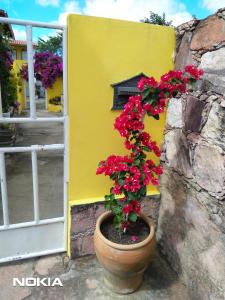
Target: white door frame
(20, 235)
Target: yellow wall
(19, 49)
(101, 52)
(17, 64)
(55, 91)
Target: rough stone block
(177, 152)
(213, 262)
(84, 217)
(194, 245)
(82, 245)
(213, 64)
(174, 113)
(150, 207)
(83, 221)
(184, 56)
(214, 129)
(209, 168)
(208, 32)
(193, 114)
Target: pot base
(123, 284)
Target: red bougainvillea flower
(136, 207)
(117, 190)
(125, 224)
(128, 145)
(194, 72)
(113, 164)
(144, 81)
(127, 209)
(132, 173)
(157, 170)
(134, 238)
(154, 181)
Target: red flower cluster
(147, 142)
(154, 110)
(195, 73)
(147, 82)
(133, 206)
(114, 164)
(131, 174)
(131, 119)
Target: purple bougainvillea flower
(47, 68)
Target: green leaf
(137, 162)
(142, 176)
(117, 226)
(143, 191)
(141, 155)
(117, 210)
(122, 173)
(117, 219)
(107, 206)
(113, 176)
(156, 117)
(112, 197)
(133, 217)
(145, 148)
(149, 114)
(145, 94)
(151, 101)
(107, 197)
(131, 196)
(121, 181)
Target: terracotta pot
(124, 265)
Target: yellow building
(20, 57)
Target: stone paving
(82, 280)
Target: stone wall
(191, 225)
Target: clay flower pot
(124, 265)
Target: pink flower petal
(134, 238)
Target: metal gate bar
(4, 190)
(33, 149)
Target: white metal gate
(38, 237)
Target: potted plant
(55, 100)
(124, 239)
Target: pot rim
(106, 214)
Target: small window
(24, 55)
(14, 54)
(124, 89)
